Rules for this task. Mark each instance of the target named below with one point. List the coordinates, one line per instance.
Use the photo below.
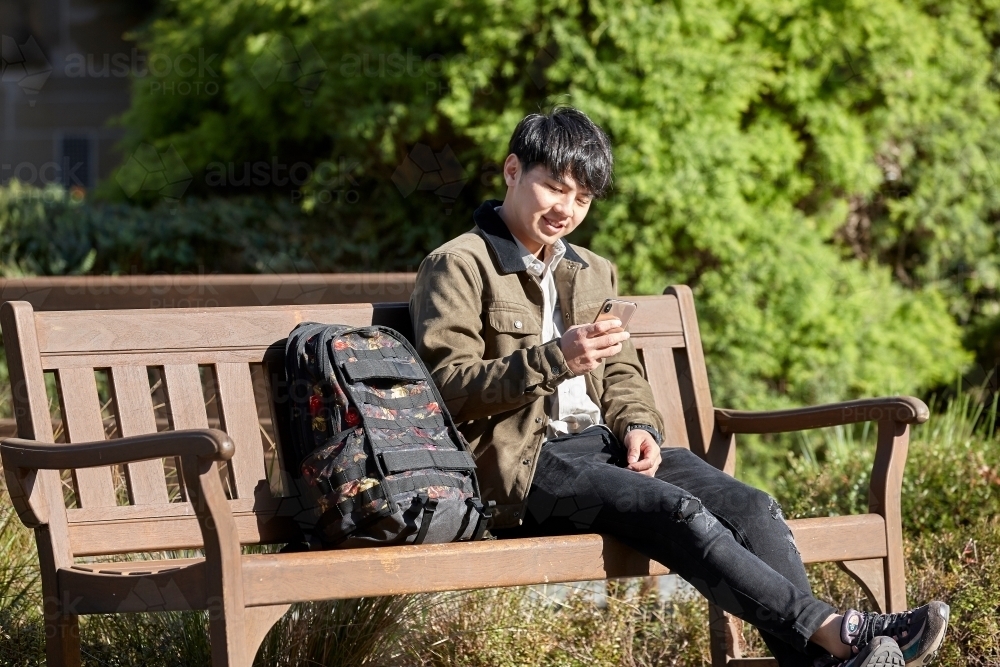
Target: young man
(563, 424)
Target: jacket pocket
(511, 330)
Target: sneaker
(879, 652)
(919, 632)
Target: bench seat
(285, 578)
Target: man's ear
(511, 170)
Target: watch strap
(649, 429)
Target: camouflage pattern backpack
(375, 445)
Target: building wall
(56, 95)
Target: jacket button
(557, 369)
(538, 420)
(518, 324)
(526, 461)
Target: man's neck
(534, 247)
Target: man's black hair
(565, 141)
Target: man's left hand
(643, 452)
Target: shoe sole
(887, 654)
(931, 646)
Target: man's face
(541, 208)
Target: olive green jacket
(477, 319)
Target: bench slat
(837, 538)
(196, 332)
(185, 400)
(159, 534)
(274, 579)
(82, 417)
(147, 484)
(238, 410)
(282, 578)
(662, 375)
(657, 316)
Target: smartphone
(616, 309)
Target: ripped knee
(774, 508)
(689, 510)
(686, 508)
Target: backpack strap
(423, 480)
(395, 402)
(402, 423)
(416, 459)
(485, 516)
(430, 504)
(386, 369)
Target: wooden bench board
(205, 290)
(293, 577)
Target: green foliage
(48, 232)
(951, 483)
(340, 633)
(531, 626)
(950, 505)
(820, 174)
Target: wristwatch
(649, 429)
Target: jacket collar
(501, 241)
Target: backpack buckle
(485, 515)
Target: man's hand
(643, 452)
(585, 346)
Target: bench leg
(259, 622)
(725, 636)
(870, 575)
(62, 626)
(884, 499)
(226, 631)
(62, 640)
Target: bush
(53, 232)
(952, 538)
(524, 626)
(951, 483)
(806, 172)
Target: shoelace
(873, 623)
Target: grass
(952, 543)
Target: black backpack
(374, 443)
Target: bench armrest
(33, 455)
(898, 409)
(22, 459)
(894, 416)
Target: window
(77, 162)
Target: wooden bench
(247, 593)
(205, 290)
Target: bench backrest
(114, 372)
(206, 290)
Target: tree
(800, 164)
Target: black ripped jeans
(727, 539)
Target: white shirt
(571, 409)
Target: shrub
(951, 482)
(51, 232)
(524, 626)
(806, 172)
(952, 549)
